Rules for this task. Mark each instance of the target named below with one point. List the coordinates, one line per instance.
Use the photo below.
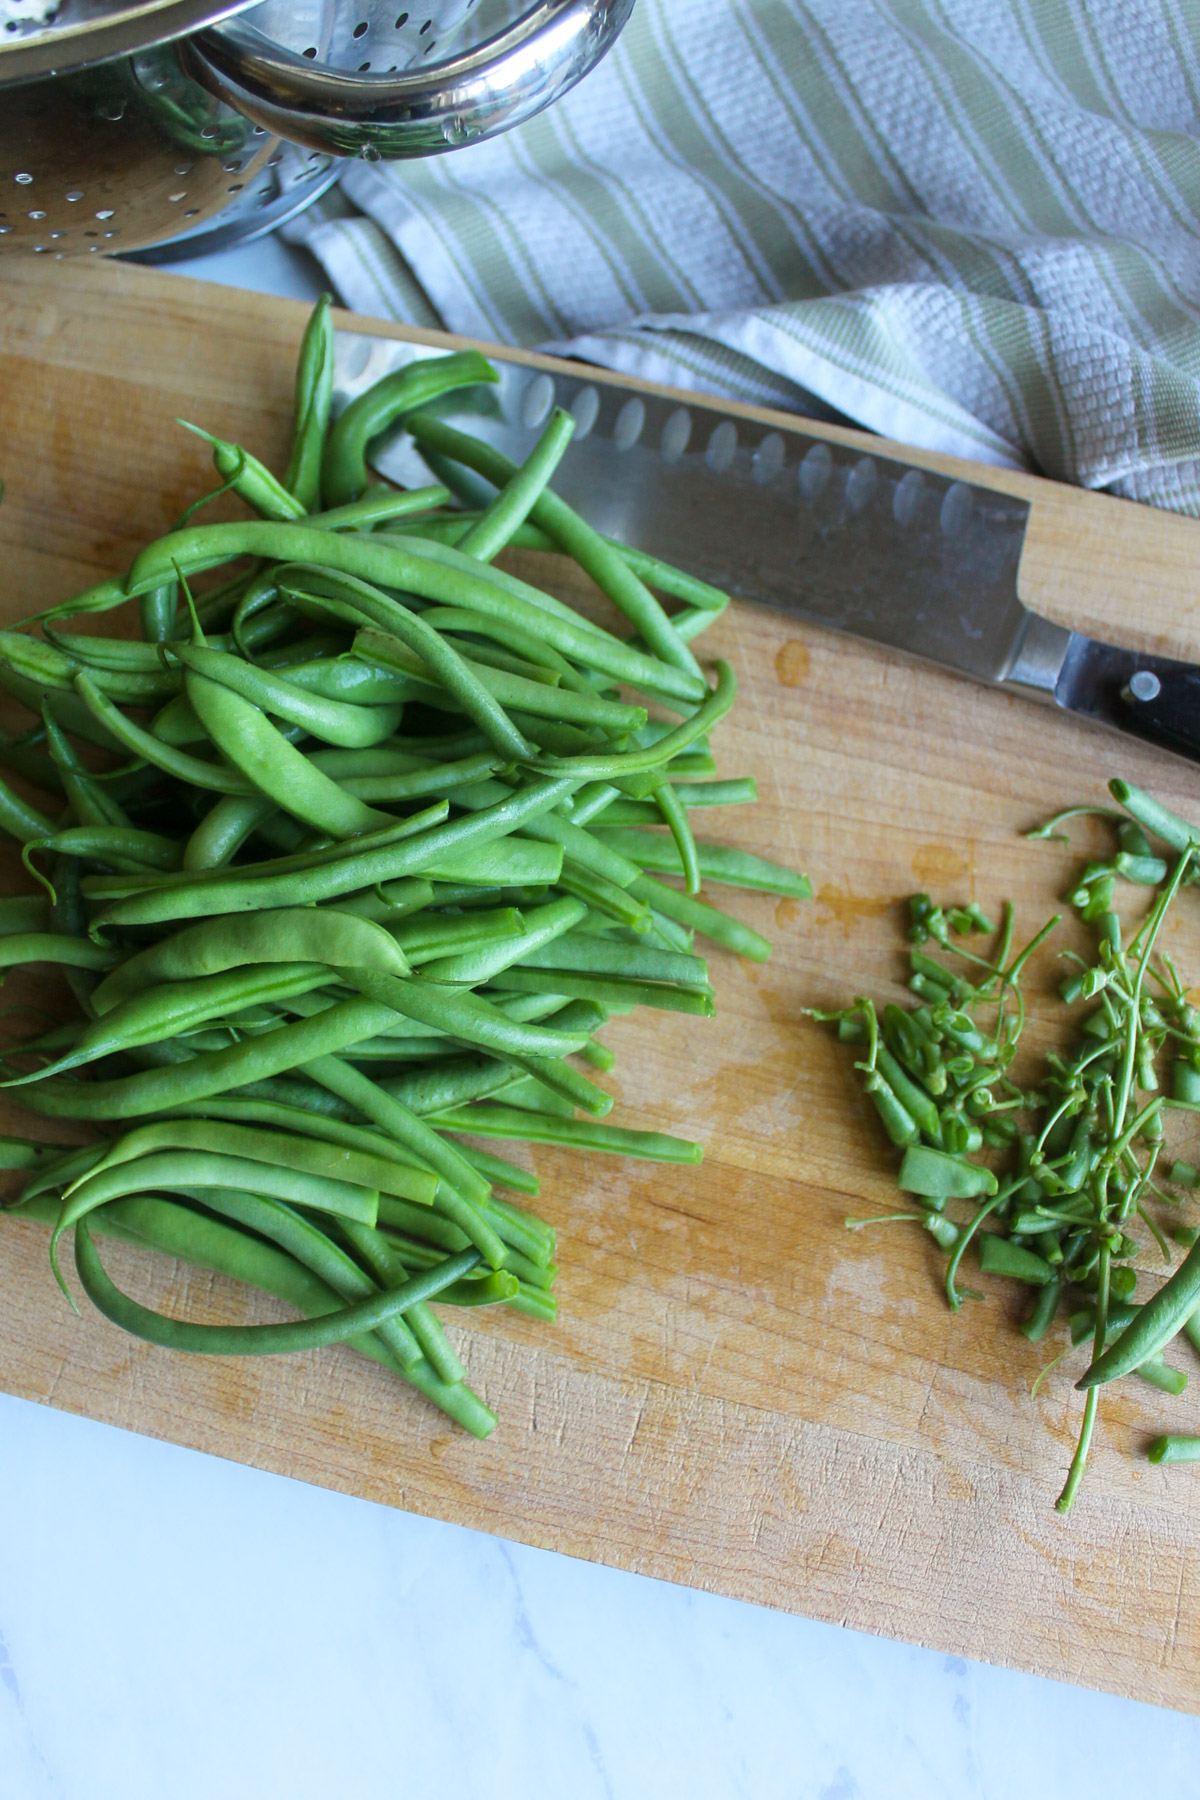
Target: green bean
(255, 1059)
(244, 735)
(611, 991)
(491, 1120)
(525, 644)
(424, 935)
(1174, 1449)
(24, 913)
(91, 801)
(392, 1116)
(49, 947)
(408, 643)
(286, 935)
(999, 1256)
(258, 1340)
(512, 861)
(311, 408)
(520, 491)
(1154, 817)
(336, 722)
(463, 1015)
(348, 679)
(249, 478)
(611, 573)
(190, 1236)
(696, 915)
(386, 905)
(483, 961)
(451, 1083)
(381, 505)
(223, 830)
(303, 855)
(942, 1177)
(310, 1247)
(35, 661)
(614, 765)
(344, 467)
(509, 690)
(716, 862)
(242, 890)
(120, 845)
(21, 820)
(151, 749)
(168, 1011)
(24, 758)
(674, 816)
(588, 954)
(431, 571)
(290, 1149)
(1157, 1322)
(383, 1260)
(182, 1170)
(156, 610)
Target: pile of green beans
(347, 857)
(1079, 1171)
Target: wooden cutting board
(740, 1394)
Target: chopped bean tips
(335, 891)
(1058, 1183)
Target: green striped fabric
(973, 225)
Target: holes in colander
(183, 168)
(363, 67)
(176, 198)
(23, 179)
(5, 230)
(425, 27)
(235, 187)
(37, 213)
(106, 212)
(311, 52)
(208, 131)
(192, 212)
(75, 194)
(360, 30)
(402, 21)
(430, 47)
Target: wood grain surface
(740, 1394)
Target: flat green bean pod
(334, 721)
(281, 935)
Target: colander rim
(38, 50)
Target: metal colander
(124, 126)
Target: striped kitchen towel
(973, 225)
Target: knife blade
(844, 539)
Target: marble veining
(173, 1624)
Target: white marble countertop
(175, 1625)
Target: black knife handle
(1153, 696)
(1166, 707)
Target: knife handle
(1155, 697)
(1164, 706)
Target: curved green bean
(258, 1340)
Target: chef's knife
(823, 531)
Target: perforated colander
(124, 125)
